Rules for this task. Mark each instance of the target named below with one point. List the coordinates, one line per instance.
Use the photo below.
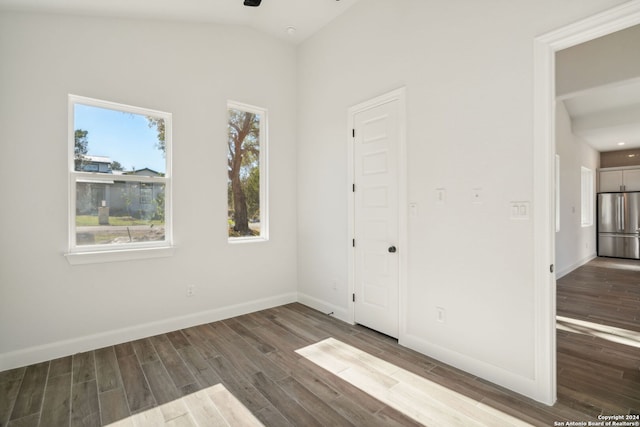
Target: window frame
(587, 197)
(263, 162)
(85, 254)
(557, 198)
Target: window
(119, 167)
(247, 208)
(587, 198)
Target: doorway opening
(545, 48)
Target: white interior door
(376, 217)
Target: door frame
(395, 95)
(545, 47)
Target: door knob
(392, 249)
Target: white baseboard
(520, 384)
(323, 306)
(566, 270)
(523, 385)
(41, 353)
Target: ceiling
(273, 17)
(602, 116)
(607, 115)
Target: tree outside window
(246, 187)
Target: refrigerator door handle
(622, 213)
(619, 212)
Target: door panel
(619, 246)
(376, 221)
(375, 197)
(632, 211)
(631, 180)
(375, 163)
(610, 180)
(608, 215)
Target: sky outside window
(121, 136)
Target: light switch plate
(520, 210)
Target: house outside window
(113, 204)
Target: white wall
(467, 67)
(48, 307)
(575, 244)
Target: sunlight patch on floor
(609, 333)
(213, 406)
(423, 400)
(632, 265)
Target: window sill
(96, 257)
(252, 239)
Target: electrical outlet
(334, 284)
(476, 196)
(440, 315)
(191, 290)
(413, 209)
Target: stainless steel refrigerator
(619, 225)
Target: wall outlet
(440, 315)
(413, 209)
(334, 284)
(191, 290)
(477, 196)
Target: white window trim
(114, 252)
(587, 199)
(263, 163)
(557, 177)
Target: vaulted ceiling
(274, 17)
(603, 116)
(607, 116)
(599, 83)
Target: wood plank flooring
(213, 406)
(606, 290)
(254, 357)
(596, 372)
(421, 399)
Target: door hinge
(353, 297)
(353, 188)
(551, 268)
(353, 242)
(353, 133)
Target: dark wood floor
(606, 291)
(596, 374)
(253, 357)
